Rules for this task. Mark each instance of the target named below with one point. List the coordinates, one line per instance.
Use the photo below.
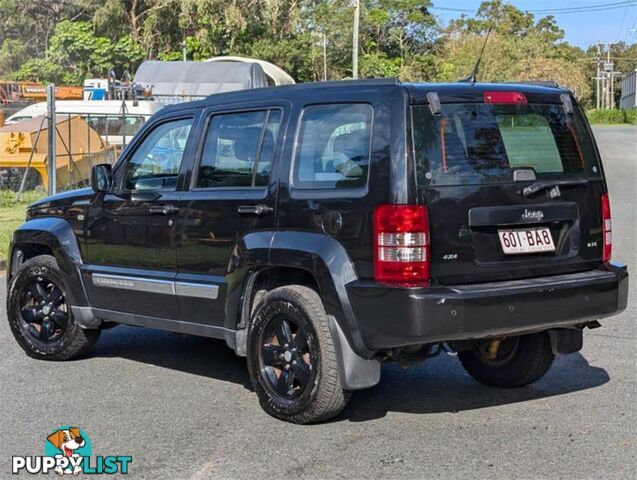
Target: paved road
(182, 406)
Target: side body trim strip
(167, 287)
(201, 290)
(138, 284)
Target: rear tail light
(607, 230)
(401, 244)
(504, 97)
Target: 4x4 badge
(532, 214)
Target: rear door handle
(255, 209)
(163, 209)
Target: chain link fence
(82, 139)
(96, 132)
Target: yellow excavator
(24, 145)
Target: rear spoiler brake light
(504, 97)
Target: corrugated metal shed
(628, 97)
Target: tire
(315, 392)
(62, 338)
(526, 361)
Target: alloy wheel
(287, 357)
(44, 310)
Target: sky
(582, 29)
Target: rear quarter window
(333, 146)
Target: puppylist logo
(68, 451)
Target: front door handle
(163, 209)
(255, 209)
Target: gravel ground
(182, 406)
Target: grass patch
(12, 215)
(606, 117)
(612, 117)
(631, 116)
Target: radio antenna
(472, 78)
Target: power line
(621, 26)
(557, 11)
(632, 30)
(602, 6)
(603, 9)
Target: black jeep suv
(321, 229)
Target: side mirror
(101, 177)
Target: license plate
(528, 240)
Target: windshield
(485, 143)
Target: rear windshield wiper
(539, 186)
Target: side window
(239, 149)
(155, 164)
(333, 147)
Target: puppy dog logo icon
(68, 450)
(70, 443)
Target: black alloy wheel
(292, 356)
(40, 314)
(287, 357)
(44, 310)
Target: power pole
(357, 17)
(604, 79)
(52, 132)
(609, 75)
(324, 58)
(597, 79)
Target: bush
(9, 198)
(631, 115)
(12, 215)
(608, 117)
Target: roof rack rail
(540, 83)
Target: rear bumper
(392, 317)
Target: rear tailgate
(473, 163)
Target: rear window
(485, 143)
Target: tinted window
(333, 147)
(155, 164)
(479, 143)
(239, 149)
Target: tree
(114, 18)
(26, 27)
(561, 71)
(66, 40)
(624, 57)
(396, 36)
(75, 52)
(520, 48)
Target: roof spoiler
(539, 83)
